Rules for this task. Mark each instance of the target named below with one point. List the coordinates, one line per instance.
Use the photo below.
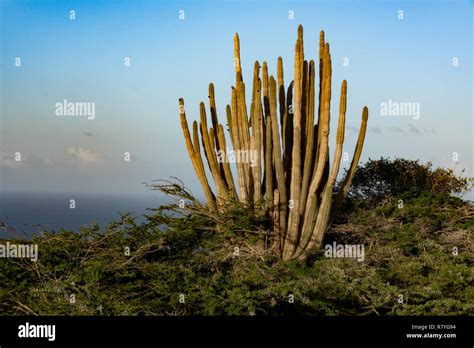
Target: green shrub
(381, 179)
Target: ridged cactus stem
(341, 124)
(266, 91)
(238, 67)
(229, 178)
(323, 129)
(195, 155)
(211, 155)
(277, 228)
(287, 135)
(355, 160)
(268, 164)
(224, 166)
(307, 244)
(212, 106)
(281, 94)
(322, 45)
(304, 108)
(308, 163)
(228, 113)
(257, 137)
(244, 135)
(236, 136)
(321, 224)
(295, 188)
(277, 159)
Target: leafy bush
(380, 179)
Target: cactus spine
(282, 157)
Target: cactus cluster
(291, 179)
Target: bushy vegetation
(380, 179)
(423, 250)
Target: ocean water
(27, 213)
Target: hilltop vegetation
(419, 259)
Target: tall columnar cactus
(290, 178)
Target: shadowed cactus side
(291, 180)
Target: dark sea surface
(26, 212)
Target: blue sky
(82, 60)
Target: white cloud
(8, 161)
(17, 159)
(83, 155)
(14, 159)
